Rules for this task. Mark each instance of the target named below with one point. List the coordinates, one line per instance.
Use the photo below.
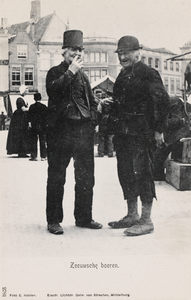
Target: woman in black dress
(18, 135)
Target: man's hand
(159, 137)
(102, 102)
(76, 65)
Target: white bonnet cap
(22, 89)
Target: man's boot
(130, 219)
(145, 224)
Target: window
(178, 86)
(143, 59)
(95, 75)
(166, 84)
(177, 67)
(157, 63)
(95, 57)
(103, 72)
(150, 62)
(85, 57)
(165, 65)
(92, 57)
(45, 61)
(171, 66)
(16, 76)
(104, 57)
(29, 76)
(172, 86)
(22, 51)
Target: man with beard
(138, 118)
(71, 119)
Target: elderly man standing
(71, 119)
(139, 114)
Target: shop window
(22, 51)
(16, 76)
(29, 76)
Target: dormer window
(22, 51)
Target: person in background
(2, 121)
(178, 127)
(71, 121)
(18, 136)
(138, 118)
(105, 140)
(37, 126)
(187, 75)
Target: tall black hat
(73, 39)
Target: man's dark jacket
(37, 116)
(141, 103)
(59, 84)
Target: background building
(171, 72)
(29, 49)
(99, 57)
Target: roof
(106, 83)
(40, 27)
(159, 50)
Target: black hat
(37, 97)
(73, 39)
(128, 43)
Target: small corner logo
(4, 292)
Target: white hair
(64, 51)
(22, 89)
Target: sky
(156, 23)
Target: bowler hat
(37, 97)
(128, 43)
(73, 39)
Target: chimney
(67, 25)
(35, 10)
(3, 23)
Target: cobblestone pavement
(23, 224)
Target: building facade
(36, 45)
(171, 72)
(99, 57)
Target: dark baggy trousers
(134, 163)
(70, 140)
(34, 136)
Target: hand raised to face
(76, 64)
